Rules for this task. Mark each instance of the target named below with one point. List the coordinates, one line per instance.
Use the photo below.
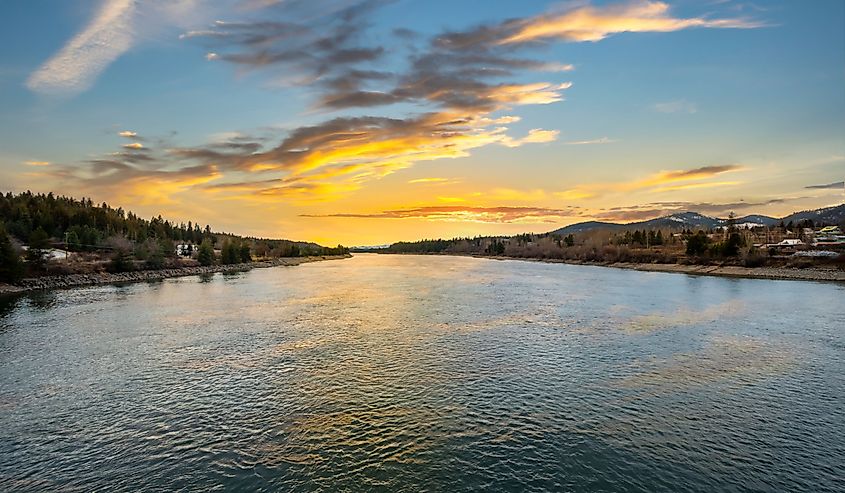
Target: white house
(185, 249)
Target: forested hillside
(41, 222)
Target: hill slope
(694, 220)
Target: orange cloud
(659, 182)
(434, 181)
(590, 23)
(458, 213)
(688, 186)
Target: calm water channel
(424, 373)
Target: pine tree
(39, 242)
(11, 267)
(229, 253)
(72, 241)
(697, 244)
(245, 255)
(205, 253)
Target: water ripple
(404, 373)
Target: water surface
(423, 373)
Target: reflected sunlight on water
(411, 373)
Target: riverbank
(77, 280)
(777, 273)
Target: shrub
(121, 261)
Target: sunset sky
(368, 122)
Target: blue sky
(751, 95)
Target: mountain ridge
(693, 220)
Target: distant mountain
(694, 220)
(829, 215)
(588, 226)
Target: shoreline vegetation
(774, 273)
(102, 278)
(811, 248)
(49, 241)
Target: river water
(426, 373)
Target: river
(425, 373)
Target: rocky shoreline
(77, 280)
(776, 273)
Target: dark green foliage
(11, 267)
(423, 246)
(72, 241)
(697, 244)
(244, 252)
(230, 253)
(496, 247)
(523, 239)
(159, 252)
(155, 260)
(730, 248)
(167, 247)
(89, 225)
(569, 240)
(121, 261)
(39, 243)
(205, 253)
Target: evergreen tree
(229, 253)
(731, 247)
(11, 267)
(39, 243)
(697, 244)
(205, 253)
(72, 242)
(245, 255)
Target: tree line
(45, 221)
(657, 245)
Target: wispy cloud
(594, 24)
(463, 86)
(433, 180)
(833, 186)
(37, 163)
(590, 23)
(691, 186)
(662, 181)
(535, 136)
(113, 29)
(656, 209)
(600, 140)
(459, 213)
(76, 66)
